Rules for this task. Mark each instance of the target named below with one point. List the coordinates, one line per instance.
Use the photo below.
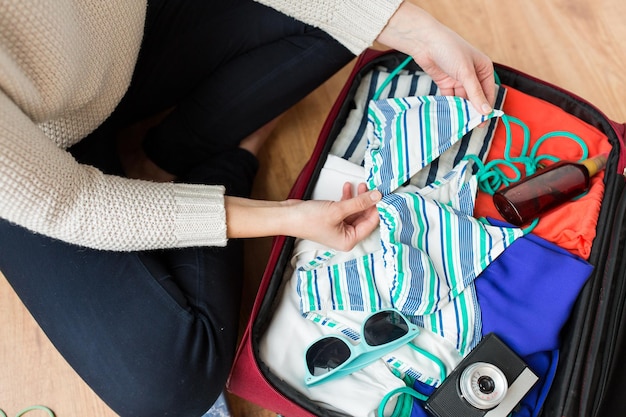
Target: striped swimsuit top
(432, 248)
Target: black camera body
(490, 381)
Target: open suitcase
(587, 377)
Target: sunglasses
(335, 356)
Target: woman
(131, 264)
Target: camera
(490, 381)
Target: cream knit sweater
(64, 66)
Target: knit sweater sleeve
(354, 23)
(43, 189)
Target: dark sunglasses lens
(326, 354)
(384, 327)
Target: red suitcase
(588, 379)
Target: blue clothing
(526, 296)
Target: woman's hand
(456, 66)
(336, 224)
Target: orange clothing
(572, 225)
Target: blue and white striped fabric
(409, 133)
(426, 234)
(351, 285)
(352, 140)
(432, 247)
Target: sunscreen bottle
(546, 189)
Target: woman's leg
(154, 333)
(227, 68)
(222, 70)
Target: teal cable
(406, 400)
(530, 227)
(491, 177)
(390, 77)
(438, 362)
(29, 409)
(496, 77)
(405, 403)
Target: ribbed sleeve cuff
(200, 215)
(357, 24)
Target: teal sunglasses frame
(361, 354)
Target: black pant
(154, 333)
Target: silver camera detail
(483, 385)
(490, 381)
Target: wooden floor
(576, 44)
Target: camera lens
(486, 385)
(483, 385)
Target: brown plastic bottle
(546, 189)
